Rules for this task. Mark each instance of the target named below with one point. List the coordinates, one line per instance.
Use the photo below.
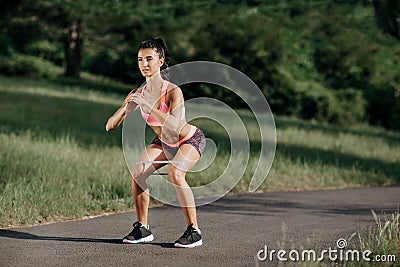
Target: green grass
(57, 162)
(382, 240)
(46, 179)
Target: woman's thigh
(144, 163)
(186, 157)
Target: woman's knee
(138, 184)
(176, 175)
(138, 175)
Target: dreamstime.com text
(340, 253)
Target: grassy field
(57, 162)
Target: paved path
(234, 228)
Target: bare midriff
(170, 138)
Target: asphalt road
(234, 229)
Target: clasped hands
(140, 101)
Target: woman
(161, 104)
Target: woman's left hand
(138, 99)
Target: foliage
(47, 50)
(332, 68)
(24, 65)
(6, 47)
(384, 103)
(344, 53)
(351, 106)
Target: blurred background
(331, 61)
(330, 71)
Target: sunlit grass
(44, 179)
(44, 88)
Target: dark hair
(160, 46)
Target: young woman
(161, 104)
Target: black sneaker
(191, 238)
(139, 234)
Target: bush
(343, 53)
(344, 107)
(384, 103)
(344, 61)
(46, 50)
(101, 63)
(311, 100)
(110, 64)
(6, 47)
(18, 64)
(318, 103)
(238, 41)
(351, 106)
(282, 99)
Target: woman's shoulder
(173, 91)
(172, 86)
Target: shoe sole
(142, 240)
(195, 244)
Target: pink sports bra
(150, 120)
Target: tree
(73, 42)
(387, 15)
(63, 21)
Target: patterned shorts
(198, 141)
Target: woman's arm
(118, 117)
(115, 120)
(176, 118)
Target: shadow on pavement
(26, 236)
(260, 205)
(163, 245)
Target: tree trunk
(73, 49)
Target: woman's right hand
(128, 97)
(129, 105)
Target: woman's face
(149, 61)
